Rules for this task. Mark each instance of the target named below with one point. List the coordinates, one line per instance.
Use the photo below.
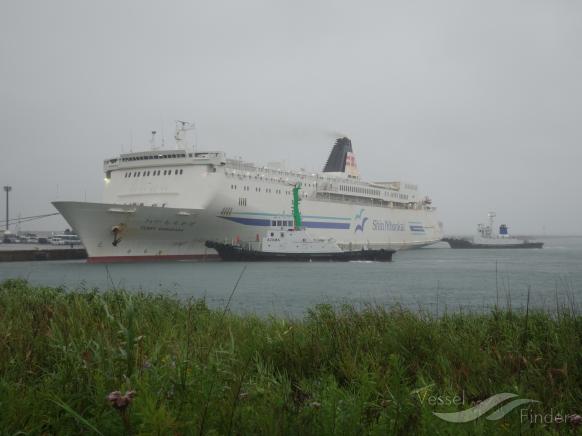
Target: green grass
(337, 371)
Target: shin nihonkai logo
(360, 220)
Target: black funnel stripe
(336, 162)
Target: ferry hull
(464, 243)
(148, 233)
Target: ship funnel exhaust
(342, 158)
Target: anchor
(117, 230)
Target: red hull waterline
(157, 258)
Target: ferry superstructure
(166, 203)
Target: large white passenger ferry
(166, 203)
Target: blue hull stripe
(248, 221)
(289, 215)
(267, 223)
(320, 225)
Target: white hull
(180, 233)
(496, 242)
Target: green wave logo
(360, 216)
(485, 406)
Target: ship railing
(250, 245)
(335, 197)
(326, 187)
(330, 189)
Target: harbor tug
(295, 243)
(488, 237)
(165, 203)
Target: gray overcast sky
(478, 102)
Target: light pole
(7, 189)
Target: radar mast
(182, 127)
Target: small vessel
(289, 241)
(487, 237)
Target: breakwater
(40, 254)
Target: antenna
(491, 216)
(195, 136)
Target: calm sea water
(431, 279)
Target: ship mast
(491, 216)
(182, 127)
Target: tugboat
(285, 243)
(488, 238)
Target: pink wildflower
(120, 402)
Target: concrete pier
(28, 252)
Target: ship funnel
(342, 158)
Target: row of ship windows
(267, 191)
(359, 190)
(269, 179)
(152, 173)
(368, 191)
(156, 156)
(273, 234)
(343, 188)
(283, 223)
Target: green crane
(296, 214)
